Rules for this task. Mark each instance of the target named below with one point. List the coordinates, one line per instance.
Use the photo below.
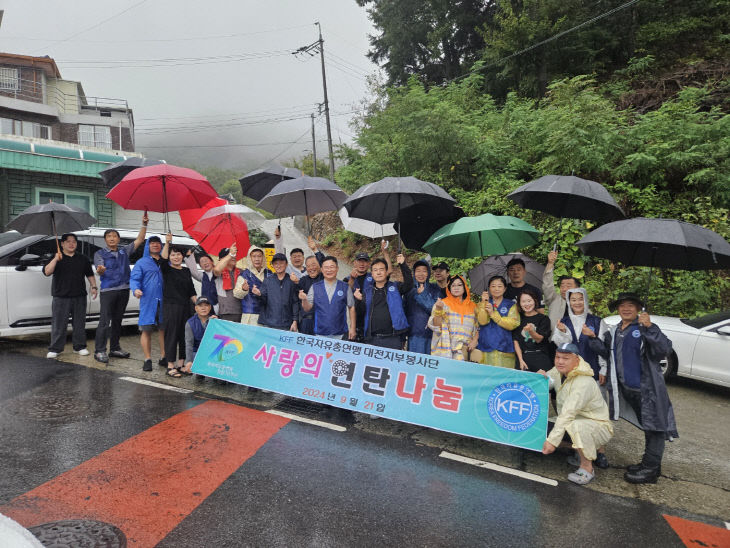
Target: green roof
(53, 159)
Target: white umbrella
(365, 227)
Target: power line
(186, 39)
(547, 40)
(95, 25)
(171, 62)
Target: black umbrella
(50, 219)
(116, 172)
(385, 201)
(663, 243)
(303, 196)
(417, 223)
(260, 182)
(568, 196)
(496, 265)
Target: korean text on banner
(492, 403)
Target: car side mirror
(724, 330)
(29, 259)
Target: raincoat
(458, 326)
(657, 414)
(582, 411)
(146, 276)
(589, 347)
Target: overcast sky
(227, 74)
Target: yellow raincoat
(582, 411)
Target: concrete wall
(132, 220)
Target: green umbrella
(479, 236)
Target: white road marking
(334, 427)
(498, 468)
(158, 385)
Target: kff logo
(513, 406)
(227, 348)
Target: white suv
(25, 292)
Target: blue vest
(631, 354)
(395, 306)
(117, 268)
(330, 318)
(582, 341)
(493, 337)
(208, 289)
(198, 330)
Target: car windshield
(10, 237)
(704, 321)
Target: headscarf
(460, 306)
(578, 320)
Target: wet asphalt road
(302, 486)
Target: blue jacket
(147, 277)
(279, 302)
(251, 304)
(492, 336)
(419, 306)
(117, 268)
(330, 318)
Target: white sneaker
(82, 352)
(52, 355)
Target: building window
(84, 200)
(95, 136)
(27, 129)
(9, 79)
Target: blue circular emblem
(391, 288)
(636, 334)
(503, 310)
(513, 406)
(369, 278)
(339, 293)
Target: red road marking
(149, 483)
(695, 534)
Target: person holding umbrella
(497, 319)
(203, 274)
(333, 304)
(146, 285)
(453, 322)
(556, 303)
(226, 276)
(68, 290)
(418, 302)
(178, 295)
(112, 265)
(636, 388)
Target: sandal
(581, 476)
(184, 371)
(172, 372)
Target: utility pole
(312, 49)
(314, 148)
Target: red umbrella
(220, 227)
(191, 216)
(162, 188)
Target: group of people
(599, 373)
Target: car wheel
(669, 366)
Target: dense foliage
(671, 162)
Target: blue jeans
(422, 345)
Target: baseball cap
(442, 265)
(362, 256)
(568, 348)
(278, 257)
(202, 300)
(154, 239)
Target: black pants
(306, 325)
(653, 441)
(61, 307)
(393, 341)
(174, 317)
(536, 360)
(113, 304)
